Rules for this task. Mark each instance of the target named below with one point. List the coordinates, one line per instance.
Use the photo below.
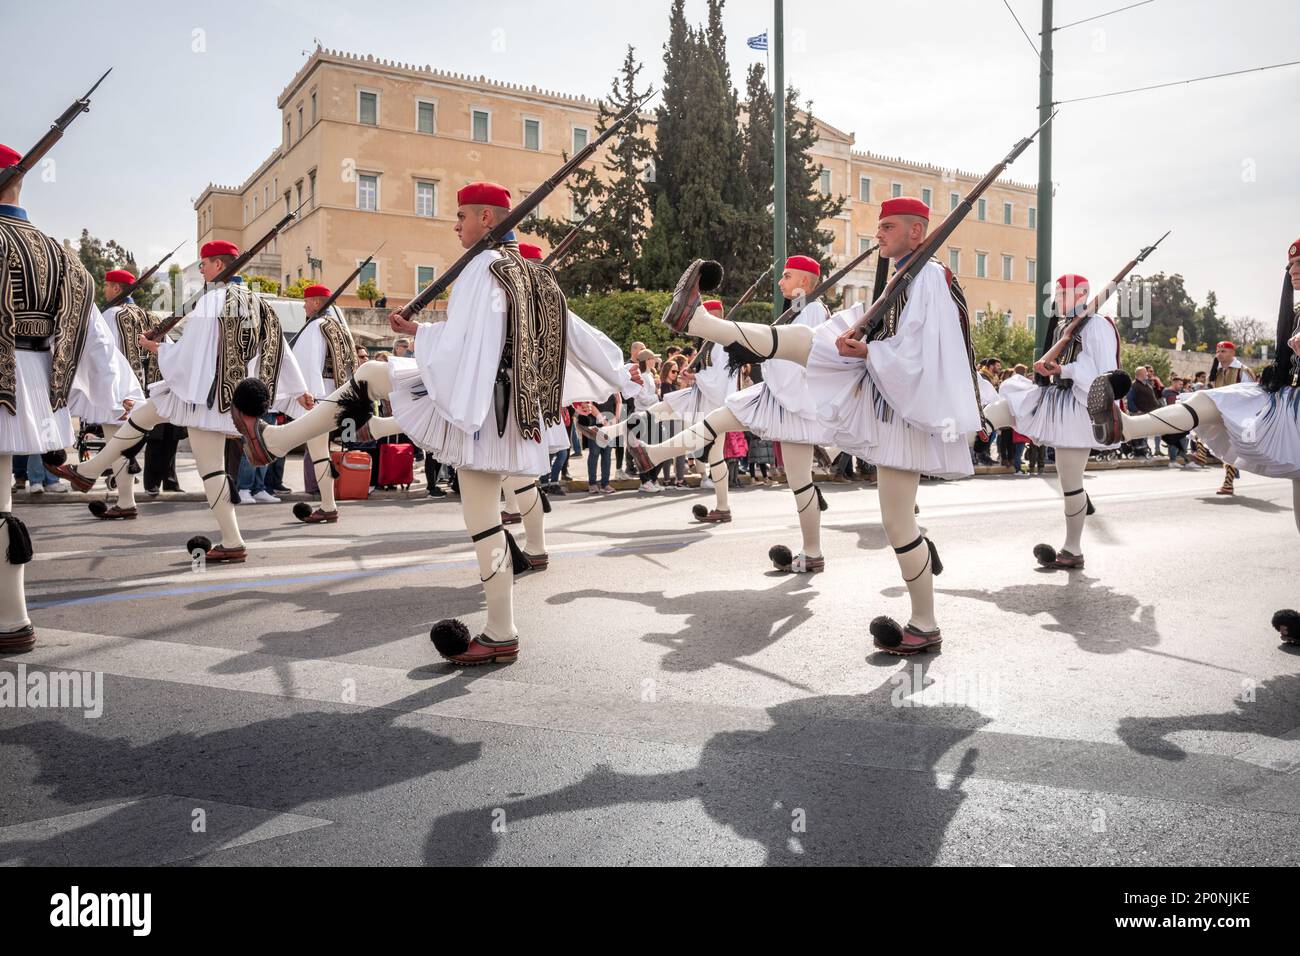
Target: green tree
(264, 284)
(1131, 356)
(605, 256)
(1170, 306)
(368, 292)
(101, 257)
(992, 337)
(662, 255)
(295, 289)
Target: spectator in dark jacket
(1141, 400)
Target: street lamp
(313, 264)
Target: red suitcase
(397, 465)
(353, 482)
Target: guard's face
(1293, 268)
(112, 290)
(314, 304)
(898, 235)
(210, 267)
(1226, 356)
(472, 224)
(1068, 299)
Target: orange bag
(353, 482)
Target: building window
(824, 182)
(1006, 213)
(896, 190)
(927, 196)
(300, 122)
(298, 185)
(288, 131)
(368, 108)
(425, 117)
(1007, 316)
(1006, 268)
(979, 315)
(864, 189)
(864, 243)
(369, 273)
(482, 125)
(311, 176)
(313, 108)
(266, 191)
(1033, 218)
(245, 214)
(954, 261)
(288, 208)
(954, 200)
(1031, 271)
(532, 134)
(368, 192)
(255, 212)
(425, 199)
(980, 213)
(581, 136)
(1031, 322)
(423, 276)
(981, 265)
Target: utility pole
(778, 156)
(1043, 272)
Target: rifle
(871, 322)
(228, 273)
(140, 282)
(1079, 314)
(52, 136)
(562, 248)
(516, 215)
(789, 314)
(745, 297)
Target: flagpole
(778, 156)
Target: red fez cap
(315, 291)
(1290, 254)
(904, 206)
(120, 276)
(804, 263)
(530, 251)
(218, 247)
(483, 194)
(8, 157)
(713, 305)
(1226, 345)
(1069, 281)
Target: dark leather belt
(32, 343)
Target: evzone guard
(230, 333)
(54, 347)
(479, 395)
(1054, 412)
(904, 399)
(1253, 426)
(781, 408)
(714, 384)
(132, 368)
(326, 355)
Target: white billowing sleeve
(289, 383)
(924, 371)
(309, 350)
(593, 367)
(1097, 357)
(189, 365)
(103, 376)
(787, 381)
(458, 358)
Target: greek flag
(759, 42)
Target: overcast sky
(940, 81)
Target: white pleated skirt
(1050, 416)
(482, 450)
(691, 405)
(759, 411)
(1260, 432)
(185, 414)
(36, 427)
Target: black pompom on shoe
(302, 511)
(97, 508)
(200, 542)
(450, 637)
(781, 556)
(54, 458)
(252, 397)
(700, 511)
(1287, 624)
(885, 632)
(1045, 554)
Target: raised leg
(142, 420)
(710, 431)
(790, 342)
(1171, 419)
(210, 457)
(334, 410)
(613, 432)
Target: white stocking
(793, 342)
(718, 474)
(619, 429)
(1070, 465)
(210, 457)
(142, 420)
(322, 418)
(480, 503)
(122, 472)
(1172, 419)
(528, 501)
(318, 453)
(898, 515)
(807, 500)
(692, 439)
(13, 603)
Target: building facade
(374, 152)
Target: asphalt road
(675, 700)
